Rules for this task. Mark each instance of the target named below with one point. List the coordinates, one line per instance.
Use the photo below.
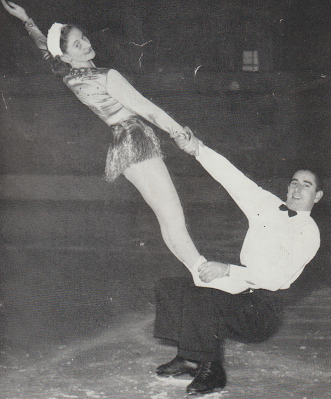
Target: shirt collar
(300, 213)
(303, 213)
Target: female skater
(134, 150)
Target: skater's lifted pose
(134, 148)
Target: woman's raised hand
(15, 10)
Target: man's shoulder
(269, 202)
(306, 225)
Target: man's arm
(280, 273)
(246, 193)
(225, 283)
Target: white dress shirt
(276, 247)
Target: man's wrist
(192, 147)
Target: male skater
(238, 302)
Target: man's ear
(319, 195)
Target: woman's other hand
(15, 10)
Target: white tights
(152, 179)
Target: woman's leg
(152, 179)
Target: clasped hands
(187, 142)
(211, 270)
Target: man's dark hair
(318, 180)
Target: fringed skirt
(132, 142)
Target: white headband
(53, 39)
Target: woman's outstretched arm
(122, 91)
(37, 36)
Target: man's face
(302, 194)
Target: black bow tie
(291, 213)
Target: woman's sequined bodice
(90, 87)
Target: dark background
(74, 250)
(294, 35)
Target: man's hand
(211, 270)
(187, 142)
(15, 10)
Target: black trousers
(201, 319)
